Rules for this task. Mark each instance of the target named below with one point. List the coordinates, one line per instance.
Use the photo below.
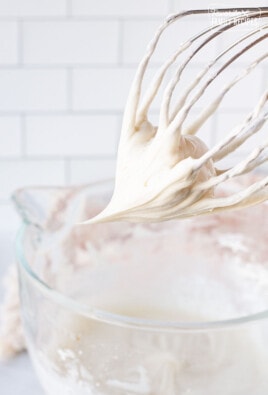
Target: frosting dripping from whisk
(165, 171)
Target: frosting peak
(167, 172)
(154, 175)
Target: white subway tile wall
(65, 71)
(69, 42)
(10, 137)
(101, 89)
(81, 170)
(71, 135)
(120, 7)
(27, 90)
(8, 43)
(15, 173)
(22, 8)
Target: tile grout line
(69, 91)
(81, 18)
(120, 42)
(67, 171)
(89, 66)
(20, 44)
(69, 8)
(51, 113)
(48, 158)
(23, 137)
(96, 112)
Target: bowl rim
(118, 319)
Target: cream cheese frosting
(153, 175)
(165, 171)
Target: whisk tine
(251, 125)
(243, 131)
(243, 167)
(250, 130)
(222, 27)
(255, 193)
(131, 116)
(171, 87)
(181, 116)
(165, 107)
(204, 71)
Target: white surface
(18, 378)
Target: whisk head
(166, 171)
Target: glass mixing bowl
(177, 308)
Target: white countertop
(16, 376)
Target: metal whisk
(181, 191)
(171, 121)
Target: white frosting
(153, 175)
(199, 270)
(165, 172)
